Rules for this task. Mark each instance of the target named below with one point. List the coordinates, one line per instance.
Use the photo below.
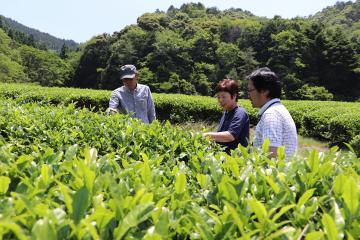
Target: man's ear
(265, 93)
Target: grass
(305, 144)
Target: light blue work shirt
(137, 103)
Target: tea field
(70, 171)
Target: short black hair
(264, 79)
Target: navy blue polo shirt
(236, 122)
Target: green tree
(334, 63)
(180, 85)
(147, 77)
(44, 67)
(11, 71)
(64, 52)
(264, 39)
(286, 58)
(93, 60)
(170, 55)
(128, 47)
(152, 22)
(203, 47)
(307, 92)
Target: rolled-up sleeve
(114, 101)
(238, 124)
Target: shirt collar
(232, 110)
(267, 104)
(128, 90)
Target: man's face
(254, 95)
(130, 83)
(225, 100)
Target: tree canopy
(189, 49)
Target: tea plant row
(70, 173)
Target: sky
(80, 20)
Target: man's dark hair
(228, 85)
(264, 79)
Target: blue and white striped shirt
(137, 103)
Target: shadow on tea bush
(355, 144)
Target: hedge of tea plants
(71, 173)
(335, 122)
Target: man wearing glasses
(132, 98)
(275, 121)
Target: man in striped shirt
(275, 121)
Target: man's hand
(112, 111)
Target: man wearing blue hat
(132, 98)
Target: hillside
(346, 14)
(48, 40)
(189, 49)
(22, 63)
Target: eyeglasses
(252, 89)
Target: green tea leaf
(4, 184)
(233, 166)
(281, 153)
(90, 156)
(144, 157)
(283, 231)
(201, 178)
(46, 174)
(102, 216)
(87, 174)
(66, 195)
(44, 229)
(16, 229)
(228, 190)
(147, 197)
(349, 236)
(314, 161)
(80, 204)
(339, 220)
(259, 209)
(266, 145)
(339, 184)
(71, 152)
(272, 184)
(146, 173)
(139, 214)
(180, 183)
(162, 225)
(235, 215)
(305, 197)
(351, 195)
(326, 169)
(330, 227)
(282, 211)
(314, 236)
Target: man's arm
(113, 103)
(220, 136)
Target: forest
(189, 49)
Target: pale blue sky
(79, 20)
